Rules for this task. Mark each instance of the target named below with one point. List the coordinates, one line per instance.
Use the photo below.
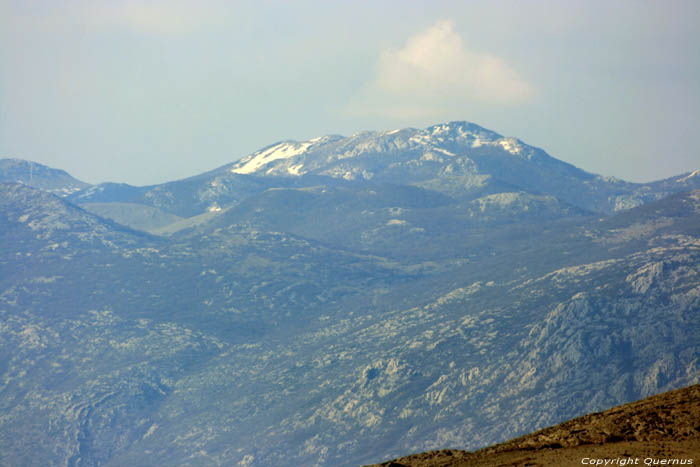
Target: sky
(144, 92)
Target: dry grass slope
(660, 430)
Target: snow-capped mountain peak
(294, 158)
(259, 159)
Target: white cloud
(435, 70)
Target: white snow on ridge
(262, 158)
(439, 129)
(444, 151)
(420, 138)
(691, 175)
(295, 169)
(511, 145)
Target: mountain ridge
(460, 159)
(37, 175)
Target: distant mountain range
(461, 160)
(337, 301)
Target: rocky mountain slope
(39, 176)
(306, 319)
(659, 430)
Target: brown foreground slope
(660, 430)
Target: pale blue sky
(145, 92)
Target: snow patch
(261, 158)
(419, 139)
(440, 129)
(445, 151)
(396, 222)
(691, 175)
(295, 169)
(511, 145)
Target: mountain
(460, 160)
(98, 324)
(307, 319)
(39, 176)
(184, 198)
(396, 221)
(662, 428)
(39, 222)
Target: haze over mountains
(337, 301)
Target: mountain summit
(39, 176)
(460, 159)
(324, 155)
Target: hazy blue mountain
(39, 176)
(397, 221)
(135, 215)
(365, 304)
(184, 198)
(460, 159)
